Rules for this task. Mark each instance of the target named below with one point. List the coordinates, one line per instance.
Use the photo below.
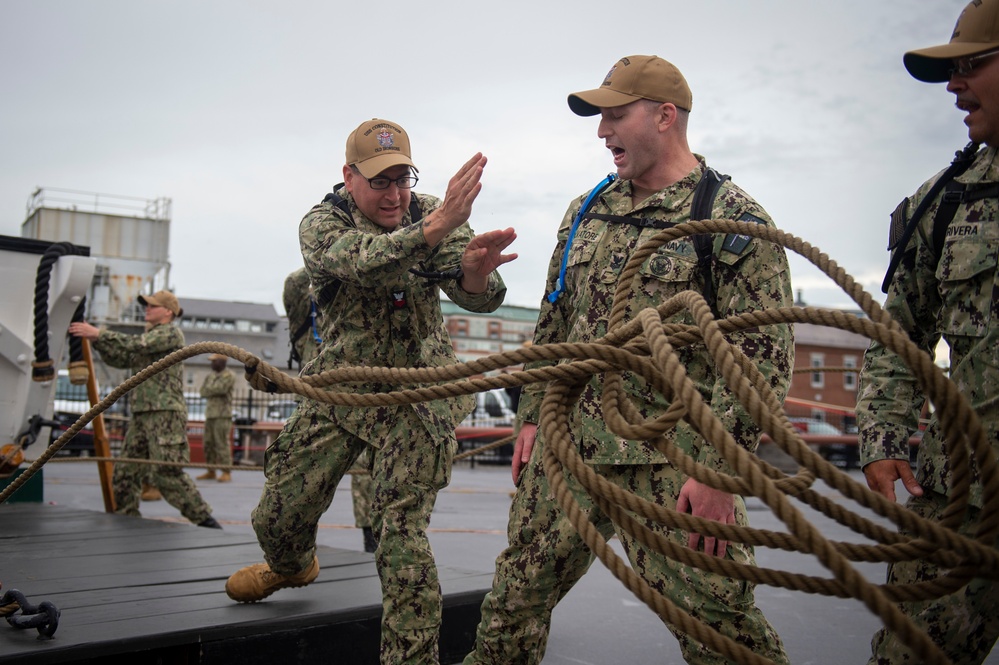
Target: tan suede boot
(256, 582)
(225, 477)
(150, 493)
(207, 475)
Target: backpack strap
(294, 356)
(962, 162)
(949, 202)
(701, 207)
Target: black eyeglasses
(381, 182)
(964, 66)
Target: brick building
(812, 393)
(475, 335)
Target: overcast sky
(238, 112)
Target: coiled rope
(646, 345)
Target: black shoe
(370, 544)
(210, 523)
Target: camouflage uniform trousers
(546, 557)
(216, 439)
(964, 624)
(162, 436)
(303, 467)
(360, 490)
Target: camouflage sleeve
(217, 384)
(551, 327)
(228, 381)
(122, 349)
(335, 249)
(295, 297)
(751, 275)
(889, 398)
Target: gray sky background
(238, 112)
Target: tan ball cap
(632, 78)
(377, 145)
(162, 299)
(977, 30)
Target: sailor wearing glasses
(378, 256)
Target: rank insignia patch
(736, 243)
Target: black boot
(370, 543)
(210, 523)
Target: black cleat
(210, 523)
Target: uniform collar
(985, 168)
(671, 197)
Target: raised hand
(457, 206)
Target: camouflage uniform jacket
(384, 316)
(749, 274)
(162, 392)
(218, 389)
(298, 306)
(954, 298)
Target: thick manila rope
(645, 345)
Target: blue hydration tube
(315, 328)
(560, 284)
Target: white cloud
(238, 112)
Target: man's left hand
(706, 502)
(482, 256)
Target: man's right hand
(522, 449)
(882, 474)
(457, 205)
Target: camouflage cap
(377, 145)
(632, 78)
(977, 30)
(162, 299)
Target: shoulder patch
(899, 220)
(736, 243)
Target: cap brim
(370, 168)
(589, 102)
(142, 301)
(933, 64)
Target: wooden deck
(135, 590)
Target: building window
(850, 378)
(818, 378)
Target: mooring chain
(646, 344)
